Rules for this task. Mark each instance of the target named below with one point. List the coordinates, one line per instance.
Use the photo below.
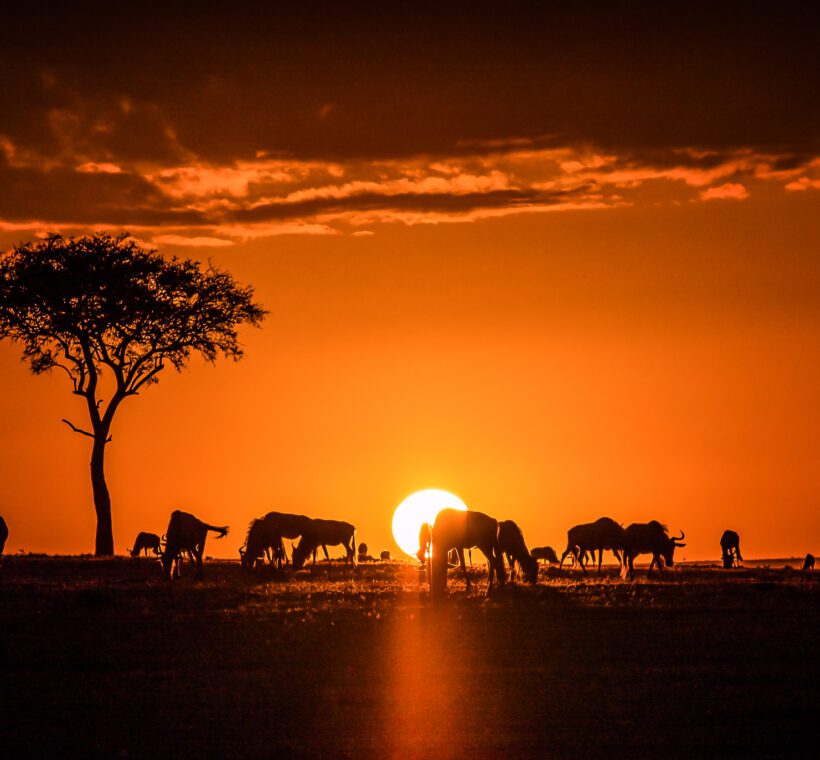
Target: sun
(420, 507)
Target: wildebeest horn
(681, 536)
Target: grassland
(104, 658)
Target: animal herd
(440, 544)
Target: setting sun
(418, 508)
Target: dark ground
(103, 658)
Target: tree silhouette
(103, 305)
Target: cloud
(804, 183)
(104, 168)
(195, 203)
(731, 190)
(197, 241)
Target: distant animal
(512, 545)
(602, 534)
(730, 549)
(4, 534)
(363, 556)
(460, 530)
(808, 564)
(385, 556)
(546, 553)
(325, 533)
(649, 538)
(425, 539)
(186, 533)
(145, 541)
(362, 548)
(266, 534)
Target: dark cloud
(427, 203)
(317, 80)
(66, 196)
(166, 118)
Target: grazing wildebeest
(546, 553)
(511, 541)
(325, 533)
(186, 533)
(460, 530)
(650, 538)
(267, 533)
(425, 538)
(808, 564)
(4, 534)
(145, 541)
(602, 534)
(730, 549)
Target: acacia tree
(99, 305)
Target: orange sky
(562, 262)
(653, 362)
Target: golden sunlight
(418, 508)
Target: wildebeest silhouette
(808, 563)
(186, 533)
(325, 533)
(511, 542)
(730, 549)
(266, 534)
(425, 538)
(385, 556)
(4, 534)
(602, 534)
(649, 538)
(546, 553)
(145, 541)
(460, 530)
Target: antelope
(511, 542)
(145, 541)
(460, 530)
(730, 549)
(268, 533)
(546, 553)
(649, 538)
(325, 533)
(186, 533)
(602, 534)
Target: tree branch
(84, 432)
(140, 381)
(78, 430)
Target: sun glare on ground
(420, 507)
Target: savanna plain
(103, 657)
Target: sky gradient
(561, 263)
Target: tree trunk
(104, 545)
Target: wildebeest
(808, 564)
(511, 542)
(267, 533)
(460, 530)
(730, 549)
(186, 533)
(385, 556)
(425, 538)
(546, 553)
(4, 534)
(325, 533)
(650, 538)
(602, 534)
(145, 541)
